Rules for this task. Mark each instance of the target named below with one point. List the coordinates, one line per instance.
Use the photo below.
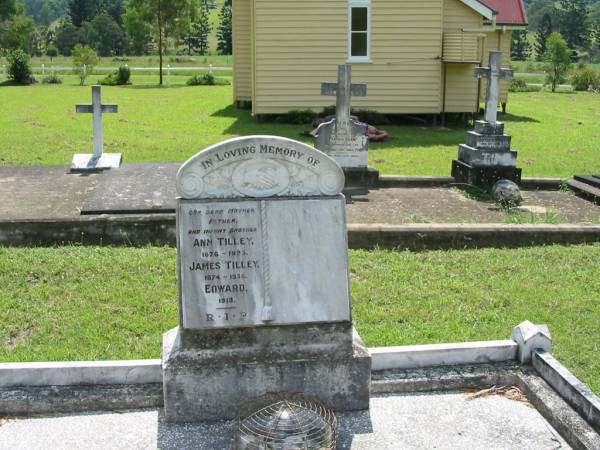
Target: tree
(558, 59)
(573, 22)
(16, 32)
(138, 30)
(51, 52)
(67, 36)
(163, 17)
(203, 27)
(543, 32)
(84, 61)
(8, 8)
(224, 46)
(81, 11)
(106, 36)
(520, 45)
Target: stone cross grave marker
(263, 282)
(494, 73)
(98, 160)
(342, 138)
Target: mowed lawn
(84, 303)
(556, 135)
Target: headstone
(344, 139)
(98, 160)
(487, 156)
(263, 282)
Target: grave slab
(416, 421)
(138, 188)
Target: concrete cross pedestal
(487, 156)
(344, 139)
(98, 160)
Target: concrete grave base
(85, 162)
(483, 177)
(208, 374)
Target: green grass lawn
(555, 134)
(83, 303)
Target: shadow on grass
(403, 136)
(152, 86)
(508, 117)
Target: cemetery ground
(102, 303)
(556, 135)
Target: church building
(416, 56)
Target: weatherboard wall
(242, 50)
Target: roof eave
(482, 9)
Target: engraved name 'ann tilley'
(494, 73)
(99, 159)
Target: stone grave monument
(98, 160)
(487, 156)
(345, 139)
(263, 282)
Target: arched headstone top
(259, 166)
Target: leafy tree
(114, 8)
(138, 30)
(203, 27)
(51, 52)
(18, 67)
(557, 58)
(8, 8)
(16, 32)
(44, 12)
(543, 33)
(192, 39)
(106, 36)
(573, 22)
(520, 45)
(163, 16)
(67, 36)
(224, 46)
(81, 11)
(84, 61)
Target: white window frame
(361, 4)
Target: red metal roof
(509, 12)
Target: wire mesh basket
(286, 422)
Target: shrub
(18, 67)
(52, 79)
(84, 60)
(297, 117)
(585, 77)
(519, 85)
(364, 115)
(207, 79)
(51, 52)
(118, 78)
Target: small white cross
(97, 109)
(343, 90)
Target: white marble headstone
(261, 235)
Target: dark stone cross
(343, 91)
(494, 73)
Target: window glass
(359, 44)
(360, 19)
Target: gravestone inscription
(263, 278)
(343, 138)
(487, 156)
